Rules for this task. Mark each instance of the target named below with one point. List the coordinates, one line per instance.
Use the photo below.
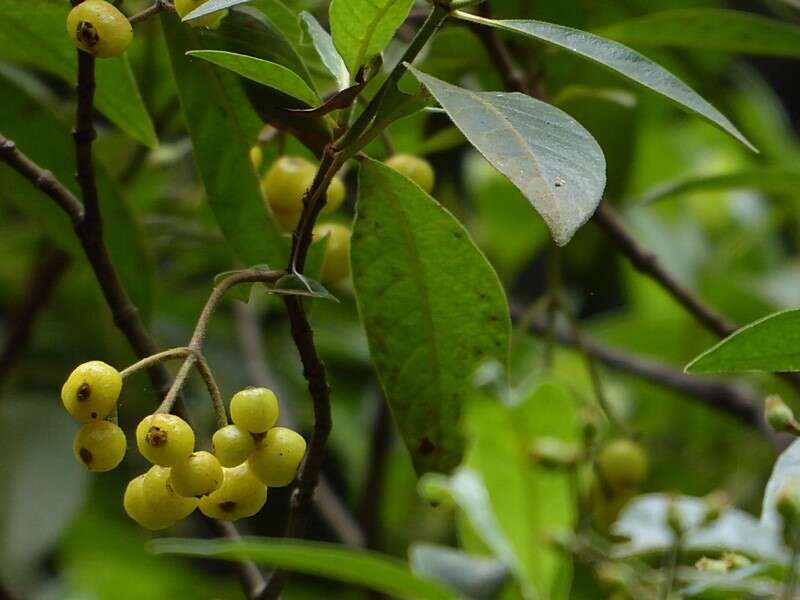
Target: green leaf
(771, 344)
(621, 59)
(300, 285)
(43, 137)
(358, 567)
(261, 71)
(326, 49)
(543, 151)
(780, 180)
(35, 37)
(432, 307)
(530, 504)
(710, 29)
(223, 127)
(474, 577)
(361, 29)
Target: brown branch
(646, 262)
(152, 10)
(739, 401)
(327, 503)
(45, 275)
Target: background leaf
(624, 61)
(474, 577)
(35, 37)
(210, 6)
(787, 468)
(432, 308)
(27, 123)
(770, 344)
(223, 127)
(710, 29)
(548, 155)
(361, 29)
(360, 567)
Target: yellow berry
(99, 446)
(240, 495)
(198, 475)
(99, 28)
(256, 157)
(232, 446)
(164, 439)
(277, 457)
(212, 20)
(139, 510)
(285, 183)
(415, 168)
(91, 391)
(336, 264)
(254, 409)
(162, 499)
(623, 464)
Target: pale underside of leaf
(548, 155)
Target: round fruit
(99, 446)
(277, 457)
(164, 439)
(161, 498)
(415, 168)
(232, 446)
(240, 495)
(139, 510)
(254, 409)
(623, 464)
(99, 28)
(198, 475)
(285, 183)
(212, 20)
(91, 391)
(336, 264)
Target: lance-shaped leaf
(261, 71)
(770, 344)
(619, 58)
(223, 127)
(432, 307)
(33, 35)
(361, 29)
(211, 6)
(549, 156)
(710, 29)
(323, 43)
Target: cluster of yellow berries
(99, 28)
(287, 180)
(228, 484)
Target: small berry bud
(674, 517)
(715, 504)
(779, 416)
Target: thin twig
(158, 357)
(152, 10)
(45, 275)
(328, 504)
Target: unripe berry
(254, 409)
(91, 391)
(285, 183)
(240, 495)
(779, 416)
(415, 168)
(336, 264)
(232, 446)
(162, 499)
(212, 21)
(277, 457)
(139, 510)
(623, 464)
(164, 439)
(198, 475)
(99, 28)
(99, 446)
(256, 157)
